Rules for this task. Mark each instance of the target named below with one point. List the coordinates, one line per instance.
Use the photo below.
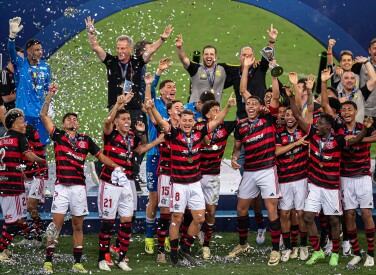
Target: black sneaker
(137, 183)
(188, 257)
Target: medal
(321, 165)
(212, 90)
(190, 160)
(122, 85)
(35, 75)
(215, 147)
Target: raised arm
(329, 59)
(310, 102)
(92, 40)
(248, 63)
(121, 101)
(221, 116)
(325, 76)
(368, 121)
(273, 34)
(157, 44)
(143, 148)
(371, 82)
(14, 29)
(47, 121)
(296, 112)
(181, 53)
(293, 77)
(163, 124)
(275, 89)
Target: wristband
(366, 62)
(329, 53)
(271, 41)
(163, 39)
(179, 47)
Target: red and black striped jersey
(13, 147)
(212, 152)
(324, 168)
(356, 160)
(32, 168)
(292, 166)
(258, 139)
(164, 163)
(185, 166)
(70, 156)
(119, 149)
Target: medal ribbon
(347, 132)
(123, 71)
(214, 135)
(189, 142)
(252, 126)
(322, 146)
(210, 79)
(127, 140)
(352, 95)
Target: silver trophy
(268, 54)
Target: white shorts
(265, 180)
(187, 195)
(72, 197)
(134, 194)
(34, 189)
(115, 199)
(357, 192)
(326, 199)
(13, 207)
(293, 195)
(210, 187)
(164, 191)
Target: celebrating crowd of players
(302, 156)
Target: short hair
(209, 47)
(333, 90)
(206, 96)
(32, 42)
(269, 90)
(11, 117)
(69, 114)
(169, 105)
(208, 105)
(139, 47)
(257, 98)
(372, 42)
(125, 38)
(349, 102)
(187, 112)
(346, 52)
(335, 104)
(120, 112)
(329, 119)
(242, 48)
(303, 81)
(164, 82)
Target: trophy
(268, 54)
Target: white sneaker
(274, 258)
(346, 248)
(369, 261)
(104, 266)
(355, 260)
(303, 253)
(294, 253)
(124, 266)
(201, 237)
(286, 255)
(328, 248)
(260, 237)
(206, 253)
(4, 258)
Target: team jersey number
(107, 203)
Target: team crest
(203, 76)
(285, 140)
(218, 73)
(176, 206)
(196, 136)
(220, 133)
(81, 144)
(330, 145)
(298, 135)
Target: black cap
(32, 42)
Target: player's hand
(339, 71)
(231, 100)
(164, 64)
(309, 82)
(288, 90)
(302, 141)
(331, 44)
(248, 62)
(326, 75)
(53, 88)
(361, 59)
(140, 126)
(179, 41)
(348, 137)
(148, 78)
(90, 25)
(161, 138)
(368, 121)
(293, 77)
(234, 164)
(273, 33)
(14, 27)
(149, 103)
(167, 32)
